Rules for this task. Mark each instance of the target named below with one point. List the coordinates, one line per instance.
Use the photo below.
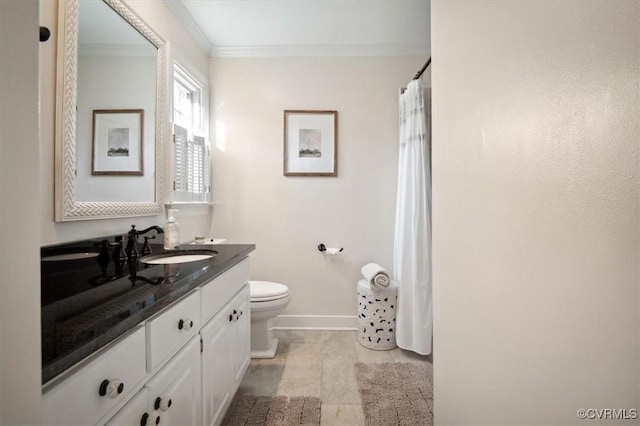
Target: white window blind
(191, 153)
(191, 163)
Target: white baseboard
(315, 322)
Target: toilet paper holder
(322, 247)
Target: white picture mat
(323, 122)
(105, 121)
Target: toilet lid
(266, 290)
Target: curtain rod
(419, 74)
(424, 68)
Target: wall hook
(45, 33)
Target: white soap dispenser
(171, 232)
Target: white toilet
(268, 300)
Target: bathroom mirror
(111, 109)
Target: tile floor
(320, 363)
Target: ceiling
(307, 27)
(101, 30)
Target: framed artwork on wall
(310, 143)
(117, 142)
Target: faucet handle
(118, 253)
(146, 248)
(103, 255)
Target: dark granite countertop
(88, 299)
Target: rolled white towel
(376, 275)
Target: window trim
(193, 84)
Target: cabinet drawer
(77, 400)
(132, 413)
(221, 289)
(167, 332)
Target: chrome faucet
(132, 243)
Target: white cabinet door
(216, 375)
(240, 336)
(176, 390)
(136, 412)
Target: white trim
(195, 83)
(320, 50)
(184, 17)
(315, 322)
(67, 208)
(169, 204)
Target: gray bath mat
(396, 394)
(273, 411)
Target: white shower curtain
(412, 243)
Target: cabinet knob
(185, 324)
(111, 388)
(162, 404)
(235, 316)
(150, 419)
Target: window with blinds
(191, 152)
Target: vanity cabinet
(226, 338)
(168, 370)
(225, 356)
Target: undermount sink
(181, 256)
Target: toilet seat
(268, 305)
(266, 291)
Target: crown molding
(184, 17)
(319, 50)
(186, 20)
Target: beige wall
(20, 373)
(287, 217)
(535, 209)
(193, 220)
